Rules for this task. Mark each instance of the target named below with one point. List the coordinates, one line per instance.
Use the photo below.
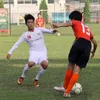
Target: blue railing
(59, 17)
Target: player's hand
(54, 26)
(54, 31)
(8, 56)
(92, 54)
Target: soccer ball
(58, 34)
(77, 88)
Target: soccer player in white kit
(37, 49)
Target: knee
(77, 69)
(70, 66)
(44, 64)
(30, 64)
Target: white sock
(25, 71)
(40, 72)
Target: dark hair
(76, 15)
(82, 12)
(39, 13)
(27, 17)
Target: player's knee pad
(30, 64)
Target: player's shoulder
(42, 19)
(24, 33)
(75, 21)
(37, 28)
(41, 29)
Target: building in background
(58, 10)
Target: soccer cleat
(36, 83)
(66, 95)
(20, 80)
(59, 88)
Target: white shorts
(37, 56)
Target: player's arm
(94, 42)
(21, 39)
(67, 24)
(45, 30)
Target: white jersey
(34, 39)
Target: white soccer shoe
(66, 95)
(59, 88)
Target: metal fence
(18, 18)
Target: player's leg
(69, 70)
(26, 68)
(32, 62)
(41, 71)
(72, 58)
(73, 79)
(68, 75)
(43, 66)
(81, 61)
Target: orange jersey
(40, 22)
(81, 30)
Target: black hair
(82, 12)
(39, 13)
(27, 17)
(76, 15)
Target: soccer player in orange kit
(40, 22)
(79, 52)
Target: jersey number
(85, 29)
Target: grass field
(58, 48)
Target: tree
(43, 8)
(1, 4)
(87, 11)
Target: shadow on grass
(89, 79)
(52, 61)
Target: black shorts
(80, 52)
